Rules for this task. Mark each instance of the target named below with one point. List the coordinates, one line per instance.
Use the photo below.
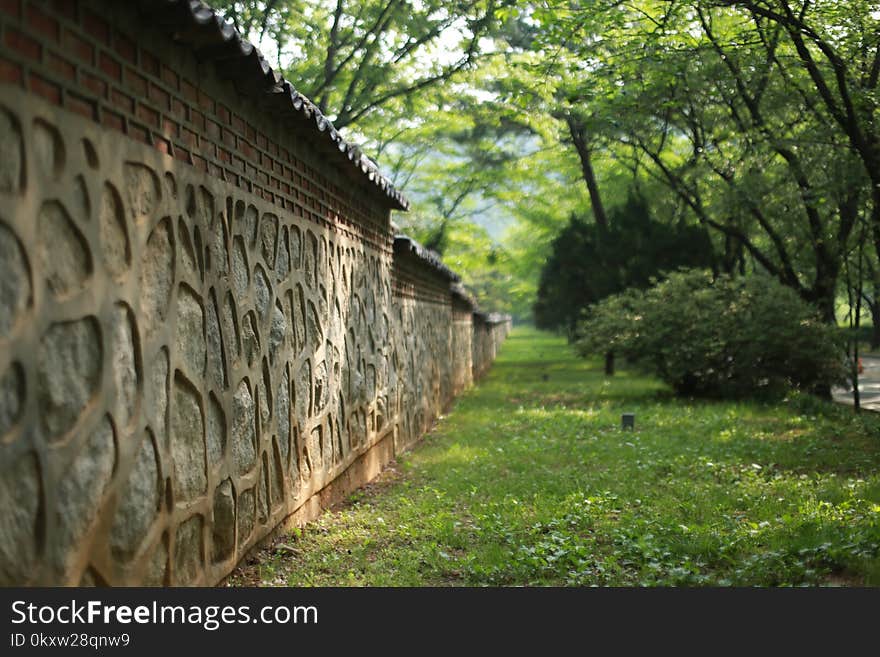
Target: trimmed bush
(728, 337)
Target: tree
(354, 58)
(757, 117)
(589, 262)
(837, 46)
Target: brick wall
(84, 57)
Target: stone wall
(489, 331)
(204, 331)
(423, 356)
(462, 339)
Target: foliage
(731, 337)
(530, 482)
(484, 265)
(757, 115)
(589, 262)
(355, 58)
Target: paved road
(869, 386)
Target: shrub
(728, 337)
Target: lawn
(529, 480)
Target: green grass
(530, 481)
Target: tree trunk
(609, 363)
(733, 261)
(823, 294)
(579, 137)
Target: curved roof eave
(194, 24)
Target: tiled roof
(406, 244)
(460, 291)
(196, 25)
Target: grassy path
(530, 481)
